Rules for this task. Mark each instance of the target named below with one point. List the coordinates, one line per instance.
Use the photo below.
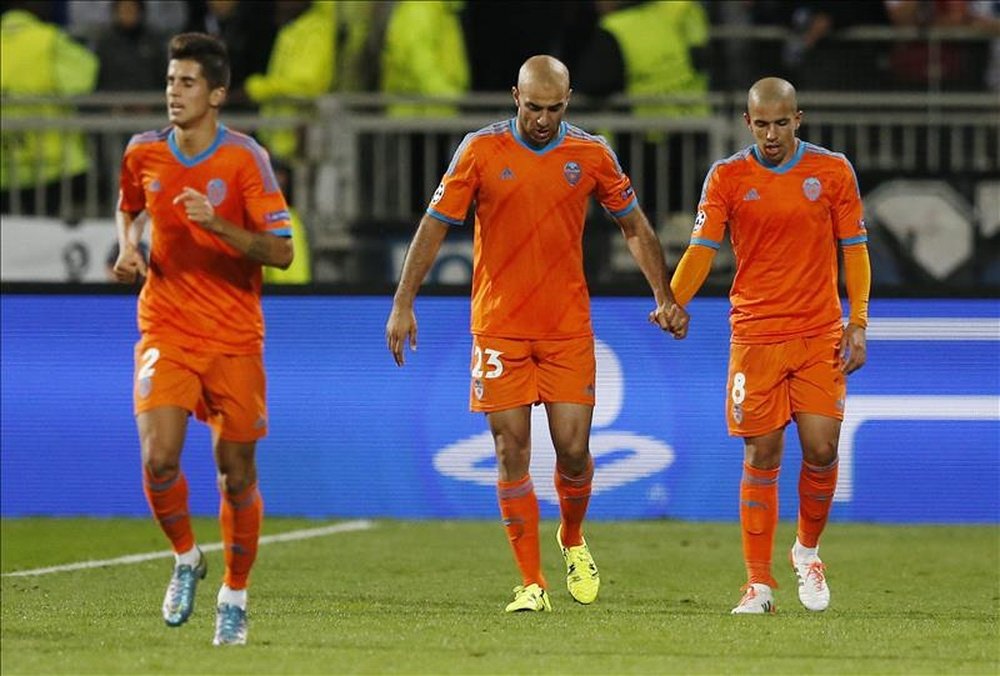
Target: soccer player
(530, 178)
(789, 205)
(217, 216)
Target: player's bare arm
(402, 324)
(130, 263)
(648, 254)
(262, 247)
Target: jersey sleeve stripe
(441, 217)
(259, 155)
(848, 241)
(631, 205)
(701, 241)
(281, 232)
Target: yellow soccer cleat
(530, 599)
(582, 578)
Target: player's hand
(671, 317)
(129, 265)
(197, 207)
(400, 329)
(853, 349)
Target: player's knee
(235, 480)
(820, 454)
(161, 466)
(573, 461)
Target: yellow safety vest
(655, 39)
(38, 59)
(424, 54)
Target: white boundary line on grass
(290, 536)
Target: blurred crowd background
(361, 104)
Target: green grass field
(427, 597)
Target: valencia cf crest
(572, 172)
(477, 387)
(216, 191)
(812, 188)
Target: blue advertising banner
(354, 435)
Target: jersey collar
(544, 149)
(204, 154)
(800, 149)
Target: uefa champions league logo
(640, 456)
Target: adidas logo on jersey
(751, 195)
(506, 174)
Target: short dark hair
(209, 51)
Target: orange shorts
(225, 391)
(770, 383)
(508, 373)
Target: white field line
(290, 536)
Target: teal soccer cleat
(178, 603)
(230, 625)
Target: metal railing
(363, 173)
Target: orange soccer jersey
(785, 225)
(201, 293)
(531, 204)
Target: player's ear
(516, 95)
(217, 97)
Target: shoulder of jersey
(575, 134)
(825, 154)
(738, 161)
(147, 137)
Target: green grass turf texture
(428, 597)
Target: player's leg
(818, 391)
(511, 430)
(235, 408)
(241, 512)
(567, 373)
(569, 425)
(166, 389)
(758, 410)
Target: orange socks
(759, 518)
(519, 510)
(168, 499)
(574, 496)
(816, 487)
(240, 515)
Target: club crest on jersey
(154, 185)
(477, 387)
(738, 413)
(572, 172)
(216, 191)
(812, 188)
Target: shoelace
(230, 621)
(180, 586)
(817, 572)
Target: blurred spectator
(647, 49)
(132, 56)
(502, 34)
(986, 17)
(918, 63)
(87, 19)
(246, 28)
(361, 30)
(816, 62)
(37, 58)
(424, 55)
(301, 65)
